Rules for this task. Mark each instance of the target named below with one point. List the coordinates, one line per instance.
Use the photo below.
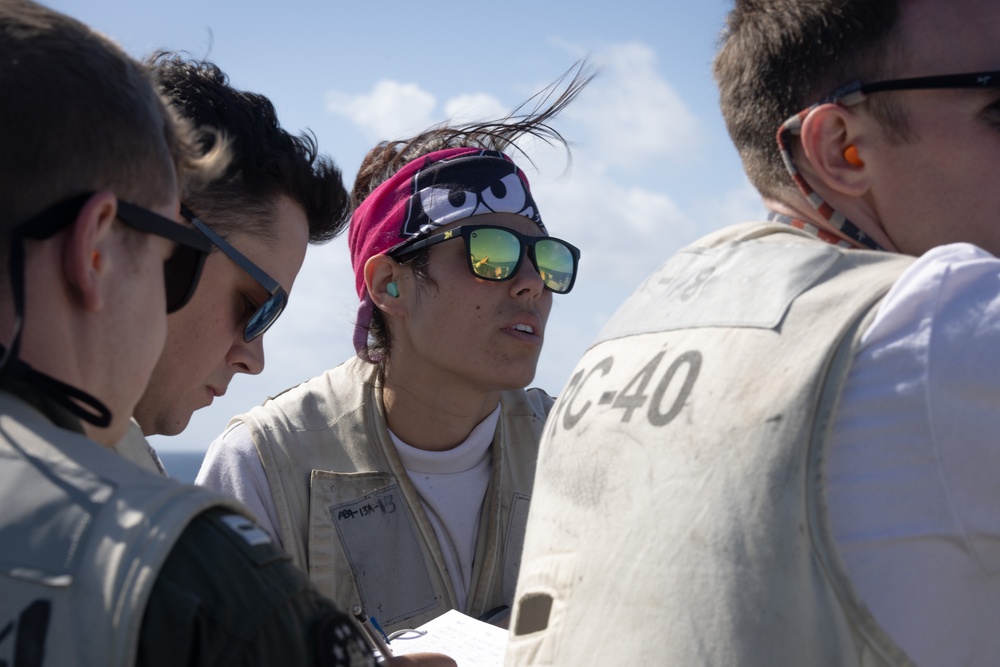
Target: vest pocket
(362, 537)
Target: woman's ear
(88, 250)
(384, 281)
(834, 150)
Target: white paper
(468, 642)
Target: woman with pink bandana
(400, 480)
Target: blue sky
(652, 167)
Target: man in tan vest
(782, 449)
(102, 563)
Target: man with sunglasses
(92, 260)
(782, 450)
(400, 480)
(277, 195)
(102, 563)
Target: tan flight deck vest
(83, 534)
(679, 514)
(350, 517)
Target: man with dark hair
(781, 449)
(100, 562)
(277, 194)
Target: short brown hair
(779, 56)
(78, 114)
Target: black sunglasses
(495, 253)
(181, 270)
(855, 92)
(271, 309)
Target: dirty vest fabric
(350, 517)
(83, 534)
(678, 514)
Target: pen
(379, 628)
(371, 628)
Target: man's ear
(87, 250)
(384, 280)
(834, 150)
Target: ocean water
(182, 465)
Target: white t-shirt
(451, 485)
(912, 470)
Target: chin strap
(76, 401)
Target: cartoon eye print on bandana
(504, 196)
(451, 190)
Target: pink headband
(434, 190)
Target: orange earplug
(851, 155)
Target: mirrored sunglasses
(495, 253)
(271, 309)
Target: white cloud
(623, 231)
(396, 110)
(473, 107)
(391, 110)
(740, 205)
(632, 115)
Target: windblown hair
(388, 157)
(267, 161)
(78, 114)
(779, 56)
(531, 118)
